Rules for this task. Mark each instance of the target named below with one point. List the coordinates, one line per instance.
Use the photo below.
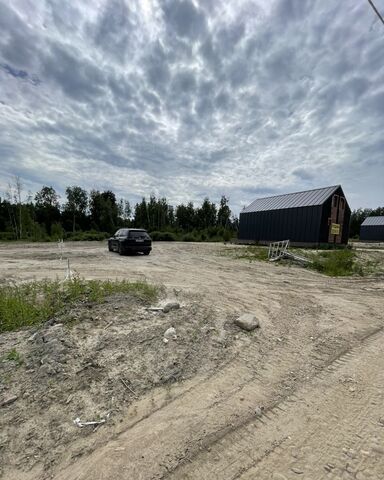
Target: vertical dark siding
(374, 233)
(297, 224)
(300, 224)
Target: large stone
(247, 321)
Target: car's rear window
(143, 235)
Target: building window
(335, 199)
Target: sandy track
(288, 369)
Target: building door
(336, 219)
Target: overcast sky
(187, 99)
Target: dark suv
(130, 240)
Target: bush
(91, 235)
(57, 231)
(163, 236)
(7, 236)
(189, 237)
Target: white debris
(81, 424)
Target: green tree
(141, 216)
(186, 217)
(104, 210)
(47, 209)
(224, 213)
(207, 214)
(77, 202)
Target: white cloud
(187, 99)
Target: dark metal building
(305, 218)
(372, 229)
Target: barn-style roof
(307, 198)
(373, 221)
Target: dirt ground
(300, 397)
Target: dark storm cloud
(78, 77)
(184, 19)
(113, 29)
(193, 98)
(18, 43)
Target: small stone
(170, 333)
(247, 322)
(9, 400)
(171, 306)
(296, 470)
(258, 411)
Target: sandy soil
(301, 397)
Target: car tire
(110, 247)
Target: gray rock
(9, 400)
(50, 369)
(170, 333)
(171, 306)
(247, 321)
(259, 411)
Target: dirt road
(300, 398)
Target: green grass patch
(36, 302)
(336, 263)
(14, 356)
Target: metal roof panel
(292, 200)
(373, 221)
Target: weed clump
(36, 302)
(336, 263)
(14, 356)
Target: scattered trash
(165, 340)
(166, 308)
(81, 424)
(128, 387)
(170, 334)
(247, 321)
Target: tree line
(100, 213)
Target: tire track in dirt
(221, 415)
(260, 448)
